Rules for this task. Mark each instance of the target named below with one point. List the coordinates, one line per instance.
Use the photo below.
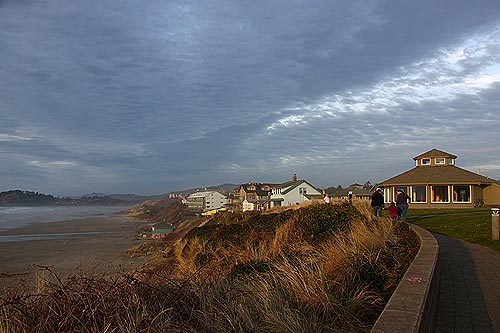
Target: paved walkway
(470, 287)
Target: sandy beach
(92, 244)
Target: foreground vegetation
(320, 268)
(472, 225)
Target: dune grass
(319, 268)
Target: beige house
(250, 196)
(436, 182)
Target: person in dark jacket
(402, 201)
(377, 202)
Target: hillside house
(251, 196)
(161, 230)
(292, 193)
(206, 200)
(436, 182)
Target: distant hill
(29, 198)
(223, 188)
(18, 198)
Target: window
(425, 161)
(439, 193)
(440, 160)
(303, 190)
(418, 194)
(461, 193)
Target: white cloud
(13, 138)
(435, 79)
(53, 164)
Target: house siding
(446, 174)
(292, 193)
(492, 195)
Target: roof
(448, 174)
(313, 196)
(359, 192)
(261, 201)
(203, 194)
(434, 153)
(258, 188)
(290, 185)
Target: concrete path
(470, 287)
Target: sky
(148, 97)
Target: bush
(320, 221)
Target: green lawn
(472, 225)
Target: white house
(292, 193)
(254, 204)
(206, 200)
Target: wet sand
(90, 245)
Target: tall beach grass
(318, 268)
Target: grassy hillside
(319, 268)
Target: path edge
(413, 305)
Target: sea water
(15, 217)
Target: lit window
(440, 160)
(418, 194)
(461, 193)
(425, 161)
(440, 193)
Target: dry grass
(299, 275)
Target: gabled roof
(434, 153)
(258, 188)
(448, 174)
(290, 185)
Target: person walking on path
(377, 202)
(402, 201)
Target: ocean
(15, 217)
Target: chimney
(294, 178)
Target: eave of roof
(449, 174)
(434, 153)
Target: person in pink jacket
(393, 210)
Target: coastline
(95, 244)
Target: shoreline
(87, 245)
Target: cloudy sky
(128, 96)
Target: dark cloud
(154, 97)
